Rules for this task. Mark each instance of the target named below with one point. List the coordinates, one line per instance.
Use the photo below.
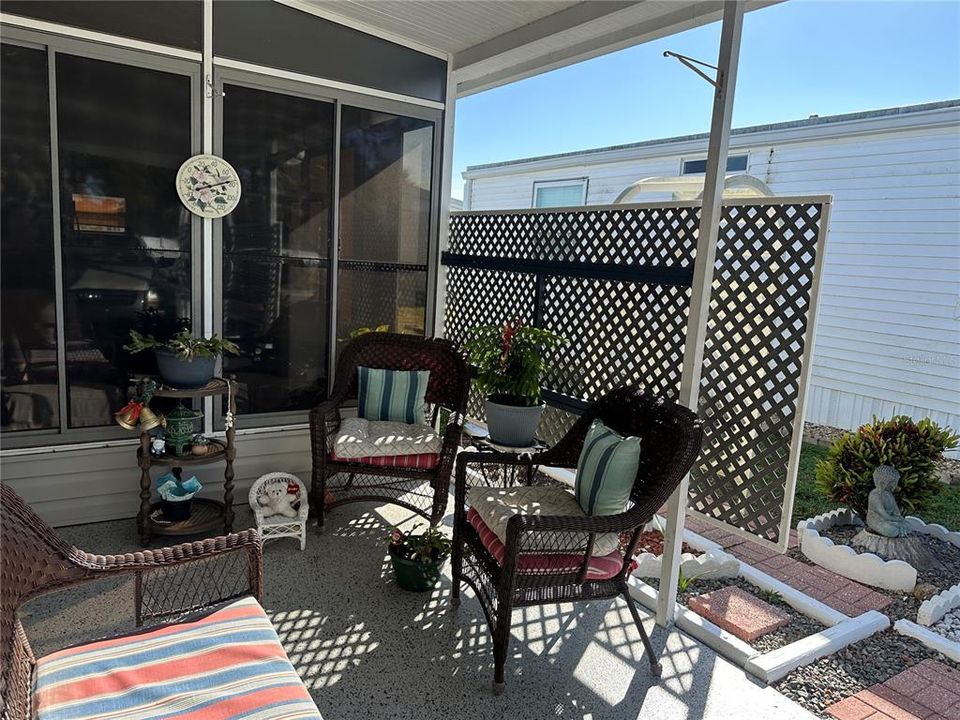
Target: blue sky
(797, 58)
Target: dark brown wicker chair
(447, 390)
(671, 436)
(34, 561)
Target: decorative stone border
(775, 664)
(711, 564)
(937, 531)
(865, 568)
(939, 605)
(933, 640)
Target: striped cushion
(228, 664)
(424, 461)
(602, 567)
(395, 395)
(606, 470)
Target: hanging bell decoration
(129, 414)
(149, 420)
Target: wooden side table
(205, 514)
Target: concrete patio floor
(367, 649)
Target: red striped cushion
(228, 664)
(602, 567)
(424, 461)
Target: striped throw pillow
(606, 470)
(394, 395)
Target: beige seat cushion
(360, 438)
(496, 507)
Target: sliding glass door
(386, 178)
(276, 247)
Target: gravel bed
(948, 625)
(800, 626)
(855, 668)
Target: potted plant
(184, 361)
(510, 365)
(201, 445)
(417, 559)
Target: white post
(702, 281)
(206, 224)
(446, 183)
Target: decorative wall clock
(208, 186)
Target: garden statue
(883, 513)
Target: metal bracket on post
(692, 64)
(702, 281)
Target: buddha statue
(883, 513)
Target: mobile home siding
(888, 332)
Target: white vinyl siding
(888, 333)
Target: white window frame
(685, 160)
(583, 182)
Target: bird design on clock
(208, 186)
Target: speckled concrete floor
(368, 650)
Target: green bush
(846, 476)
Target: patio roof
(494, 43)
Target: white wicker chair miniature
(278, 525)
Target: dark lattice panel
(482, 297)
(626, 329)
(752, 366)
(664, 236)
(620, 333)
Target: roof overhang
(489, 43)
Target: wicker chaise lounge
(550, 558)
(395, 478)
(217, 654)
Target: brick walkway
(927, 691)
(849, 597)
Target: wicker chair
(671, 437)
(336, 482)
(35, 561)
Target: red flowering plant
(510, 361)
(429, 546)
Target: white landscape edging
(939, 605)
(866, 567)
(933, 640)
(934, 530)
(711, 564)
(773, 665)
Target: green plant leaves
(510, 359)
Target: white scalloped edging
(867, 568)
(939, 605)
(711, 564)
(934, 530)
(934, 641)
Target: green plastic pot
(416, 576)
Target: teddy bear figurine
(276, 500)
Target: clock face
(208, 186)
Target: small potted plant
(510, 365)
(417, 558)
(184, 361)
(201, 445)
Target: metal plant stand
(206, 514)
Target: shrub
(913, 448)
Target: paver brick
(851, 708)
(893, 704)
(907, 682)
(937, 698)
(738, 612)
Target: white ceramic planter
(711, 564)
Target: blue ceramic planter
(187, 374)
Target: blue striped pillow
(606, 470)
(394, 395)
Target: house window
(560, 193)
(113, 255)
(735, 163)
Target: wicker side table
(206, 514)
